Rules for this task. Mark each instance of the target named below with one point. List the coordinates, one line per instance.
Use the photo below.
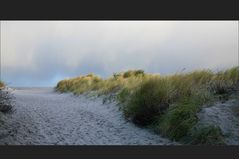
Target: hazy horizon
(40, 53)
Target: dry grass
(168, 103)
(1, 84)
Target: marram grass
(168, 104)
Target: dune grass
(5, 100)
(92, 82)
(205, 135)
(2, 84)
(168, 104)
(80, 84)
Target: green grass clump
(179, 118)
(155, 94)
(205, 135)
(144, 103)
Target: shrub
(220, 86)
(232, 74)
(123, 95)
(225, 82)
(148, 101)
(133, 73)
(205, 135)
(179, 119)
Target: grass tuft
(205, 135)
(179, 119)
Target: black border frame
(167, 152)
(118, 10)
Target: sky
(40, 53)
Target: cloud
(39, 53)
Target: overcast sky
(40, 53)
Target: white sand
(44, 117)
